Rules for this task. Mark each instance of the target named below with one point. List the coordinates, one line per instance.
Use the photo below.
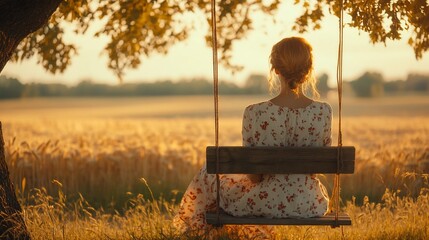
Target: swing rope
(216, 103)
(334, 202)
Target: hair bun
(293, 84)
(294, 79)
(292, 59)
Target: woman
(289, 119)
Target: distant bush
(413, 83)
(322, 85)
(256, 84)
(10, 87)
(395, 86)
(368, 85)
(417, 82)
(45, 90)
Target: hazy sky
(192, 58)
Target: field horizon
(195, 106)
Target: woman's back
(280, 195)
(267, 124)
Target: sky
(192, 58)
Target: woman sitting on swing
(290, 119)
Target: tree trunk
(17, 20)
(12, 225)
(7, 45)
(20, 18)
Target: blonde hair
(292, 58)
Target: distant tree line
(372, 84)
(13, 88)
(368, 85)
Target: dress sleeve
(327, 135)
(246, 130)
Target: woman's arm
(327, 135)
(247, 136)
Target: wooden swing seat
(279, 160)
(226, 219)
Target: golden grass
(104, 160)
(101, 162)
(54, 218)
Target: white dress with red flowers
(277, 195)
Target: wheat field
(116, 168)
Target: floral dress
(276, 195)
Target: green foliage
(394, 86)
(48, 46)
(417, 82)
(368, 85)
(44, 90)
(140, 28)
(88, 88)
(256, 84)
(322, 85)
(10, 87)
(381, 19)
(413, 83)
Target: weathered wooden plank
(280, 160)
(226, 219)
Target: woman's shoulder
(323, 106)
(264, 105)
(258, 106)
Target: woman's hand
(255, 178)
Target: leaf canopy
(137, 28)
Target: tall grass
(106, 167)
(104, 160)
(52, 217)
(89, 178)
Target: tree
(10, 87)
(256, 84)
(368, 85)
(394, 86)
(322, 85)
(417, 82)
(12, 225)
(17, 20)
